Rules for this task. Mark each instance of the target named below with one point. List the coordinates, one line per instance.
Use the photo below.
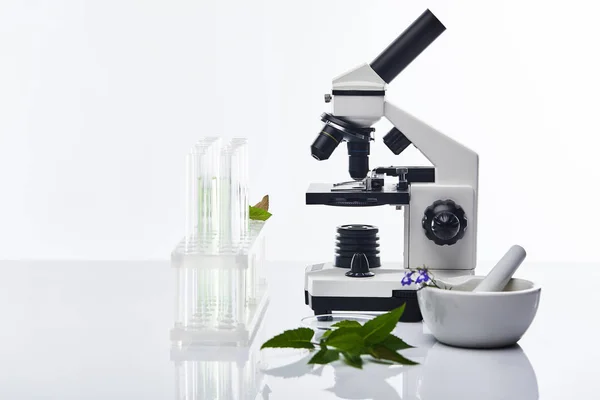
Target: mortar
(463, 318)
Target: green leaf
(347, 324)
(344, 331)
(325, 356)
(353, 360)
(383, 353)
(259, 214)
(327, 333)
(346, 341)
(377, 329)
(395, 343)
(295, 339)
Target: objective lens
(329, 138)
(358, 159)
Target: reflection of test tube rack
(206, 372)
(219, 264)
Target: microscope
(439, 203)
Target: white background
(100, 100)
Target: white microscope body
(439, 203)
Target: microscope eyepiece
(402, 51)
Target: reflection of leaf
(317, 371)
(293, 370)
(377, 329)
(259, 214)
(266, 392)
(357, 385)
(263, 204)
(382, 352)
(295, 339)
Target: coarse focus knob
(396, 141)
(444, 222)
(359, 267)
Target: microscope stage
(321, 193)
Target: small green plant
(349, 340)
(260, 211)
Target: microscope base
(327, 305)
(327, 289)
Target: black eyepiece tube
(407, 46)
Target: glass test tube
(207, 168)
(201, 169)
(239, 160)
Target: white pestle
(499, 276)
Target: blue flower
(423, 276)
(407, 278)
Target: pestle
(499, 276)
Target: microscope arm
(454, 163)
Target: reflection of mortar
(452, 373)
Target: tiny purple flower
(407, 278)
(423, 276)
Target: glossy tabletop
(99, 330)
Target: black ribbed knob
(396, 141)
(359, 267)
(444, 222)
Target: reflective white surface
(97, 330)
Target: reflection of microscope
(440, 202)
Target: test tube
(207, 171)
(200, 172)
(225, 198)
(239, 163)
(191, 216)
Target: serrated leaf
(377, 329)
(344, 331)
(259, 214)
(383, 353)
(349, 342)
(263, 204)
(326, 334)
(325, 356)
(395, 343)
(353, 360)
(345, 336)
(294, 339)
(347, 324)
